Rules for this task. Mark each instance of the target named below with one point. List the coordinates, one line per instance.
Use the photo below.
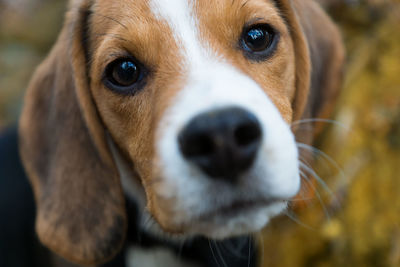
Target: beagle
(183, 107)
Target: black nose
(223, 143)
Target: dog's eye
(122, 75)
(259, 41)
(123, 72)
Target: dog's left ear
(327, 55)
(319, 55)
(80, 205)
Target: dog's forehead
(182, 41)
(182, 19)
(179, 13)
(191, 30)
(185, 23)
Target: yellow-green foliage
(27, 32)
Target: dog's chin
(241, 218)
(237, 219)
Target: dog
(170, 120)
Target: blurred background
(353, 216)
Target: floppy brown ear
(302, 56)
(319, 56)
(80, 205)
(326, 56)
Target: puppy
(183, 107)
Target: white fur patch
(179, 14)
(214, 84)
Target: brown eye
(123, 75)
(123, 72)
(259, 41)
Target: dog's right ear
(80, 204)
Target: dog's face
(198, 95)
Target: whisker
(219, 254)
(326, 212)
(301, 199)
(324, 155)
(308, 186)
(115, 36)
(311, 120)
(213, 254)
(181, 245)
(307, 167)
(235, 249)
(110, 18)
(328, 159)
(317, 177)
(92, 13)
(294, 218)
(262, 260)
(149, 221)
(249, 256)
(244, 4)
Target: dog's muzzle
(222, 143)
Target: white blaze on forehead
(181, 17)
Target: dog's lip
(238, 207)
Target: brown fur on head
(69, 113)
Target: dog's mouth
(238, 218)
(238, 208)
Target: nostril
(247, 134)
(197, 146)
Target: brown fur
(222, 27)
(68, 112)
